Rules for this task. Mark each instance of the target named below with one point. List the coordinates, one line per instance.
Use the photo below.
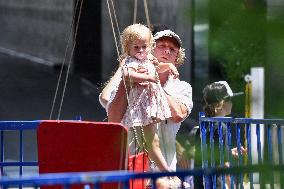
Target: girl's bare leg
(153, 147)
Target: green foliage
(241, 37)
(245, 34)
(237, 38)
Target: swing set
(76, 146)
(82, 146)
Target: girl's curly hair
(132, 33)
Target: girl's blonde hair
(132, 33)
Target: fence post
(257, 112)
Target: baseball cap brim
(229, 90)
(168, 33)
(238, 94)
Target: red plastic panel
(79, 146)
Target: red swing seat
(79, 146)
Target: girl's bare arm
(131, 74)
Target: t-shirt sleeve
(181, 91)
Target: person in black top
(217, 103)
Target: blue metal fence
(232, 132)
(18, 128)
(94, 179)
(239, 133)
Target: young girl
(147, 103)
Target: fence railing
(95, 179)
(262, 138)
(265, 157)
(16, 128)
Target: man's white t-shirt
(167, 130)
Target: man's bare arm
(178, 110)
(117, 107)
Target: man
(178, 93)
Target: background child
(217, 99)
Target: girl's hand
(168, 67)
(149, 79)
(153, 79)
(142, 69)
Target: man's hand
(182, 157)
(173, 71)
(122, 62)
(168, 67)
